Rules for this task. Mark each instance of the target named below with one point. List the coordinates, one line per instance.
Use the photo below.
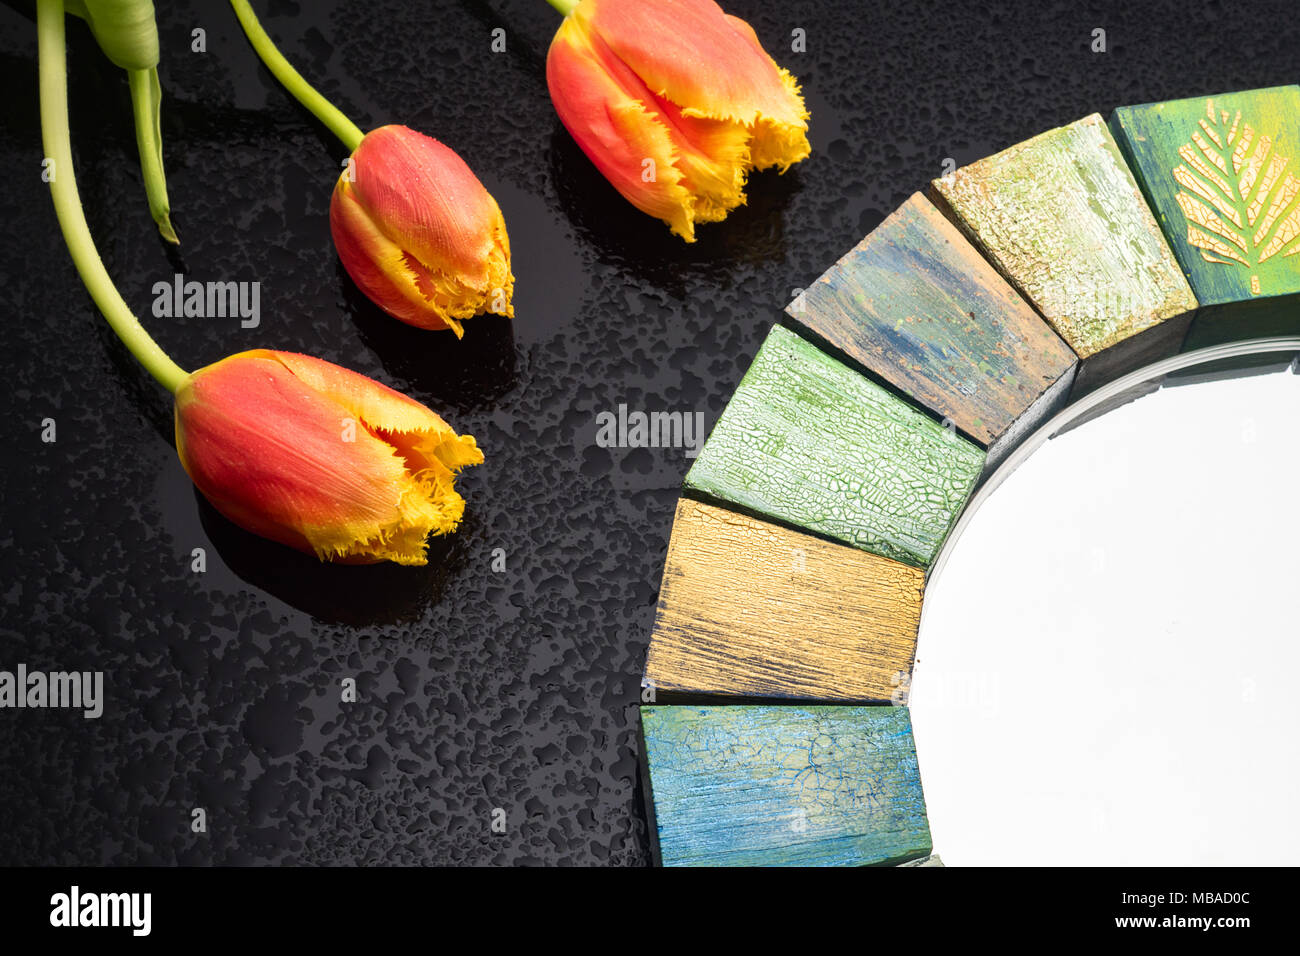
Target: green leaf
(124, 29)
(146, 101)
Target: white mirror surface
(1109, 665)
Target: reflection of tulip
(675, 102)
(418, 233)
(320, 458)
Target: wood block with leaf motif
(1222, 174)
(917, 305)
(751, 609)
(807, 441)
(782, 785)
(1061, 217)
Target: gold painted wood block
(1062, 218)
(751, 609)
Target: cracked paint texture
(797, 786)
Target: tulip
(289, 447)
(413, 226)
(675, 102)
(320, 458)
(418, 233)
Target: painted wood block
(1061, 217)
(916, 304)
(808, 441)
(1222, 174)
(932, 860)
(749, 608)
(783, 785)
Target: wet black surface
(477, 689)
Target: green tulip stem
(292, 80)
(146, 98)
(67, 202)
(564, 6)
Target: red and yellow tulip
(414, 227)
(320, 458)
(288, 447)
(675, 102)
(419, 234)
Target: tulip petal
(320, 458)
(779, 140)
(424, 197)
(395, 281)
(419, 234)
(709, 63)
(714, 157)
(604, 108)
(682, 84)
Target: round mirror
(1106, 667)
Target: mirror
(1107, 663)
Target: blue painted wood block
(783, 786)
(916, 304)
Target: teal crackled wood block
(783, 786)
(918, 306)
(1062, 218)
(808, 441)
(1222, 174)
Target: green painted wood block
(1061, 217)
(918, 306)
(808, 441)
(783, 786)
(1222, 174)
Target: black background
(477, 689)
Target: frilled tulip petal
(603, 106)
(319, 458)
(780, 138)
(709, 63)
(419, 435)
(681, 84)
(714, 157)
(419, 234)
(424, 197)
(389, 276)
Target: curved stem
(67, 202)
(564, 6)
(292, 80)
(146, 102)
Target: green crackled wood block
(752, 609)
(808, 441)
(1222, 174)
(917, 305)
(783, 786)
(1061, 217)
